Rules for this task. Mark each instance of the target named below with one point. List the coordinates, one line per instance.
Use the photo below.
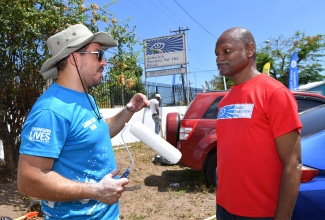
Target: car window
(313, 121)
(212, 111)
(304, 103)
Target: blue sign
(293, 74)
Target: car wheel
(172, 128)
(211, 170)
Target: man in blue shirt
(66, 156)
(154, 107)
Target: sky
(208, 19)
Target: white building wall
(145, 117)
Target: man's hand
(117, 122)
(109, 190)
(137, 102)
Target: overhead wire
(194, 19)
(188, 44)
(154, 18)
(148, 14)
(194, 55)
(162, 11)
(200, 71)
(171, 12)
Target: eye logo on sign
(164, 45)
(157, 47)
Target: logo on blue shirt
(236, 111)
(90, 123)
(40, 134)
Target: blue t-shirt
(62, 125)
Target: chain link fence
(110, 96)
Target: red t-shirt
(251, 116)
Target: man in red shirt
(258, 129)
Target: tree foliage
(218, 83)
(124, 72)
(25, 27)
(279, 51)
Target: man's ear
(73, 59)
(250, 49)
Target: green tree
(26, 25)
(279, 52)
(124, 75)
(218, 83)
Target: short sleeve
(44, 134)
(283, 114)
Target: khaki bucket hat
(70, 40)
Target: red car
(195, 133)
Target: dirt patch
(12, 204)
(154, 192)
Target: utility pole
(180, 31)
(185, 92)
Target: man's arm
(289, 150)
(117, 122)
(35, 178)
(157, 108)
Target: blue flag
(293, 74)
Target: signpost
(163, 52)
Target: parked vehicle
(194, 134)
(311, 198)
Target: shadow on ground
(187, 180)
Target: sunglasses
(100, 54)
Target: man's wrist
(129, 108)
